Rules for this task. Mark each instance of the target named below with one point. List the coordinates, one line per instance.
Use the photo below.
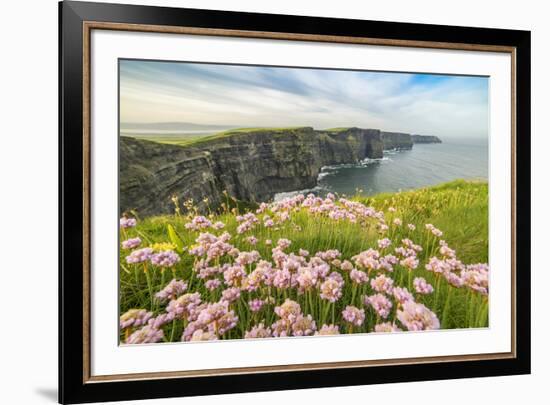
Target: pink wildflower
(476, 277)
(201, 335)
(212, 284)
(402, 295)
(434, 230)
(126, 222)
(354, 315)
(283, 243)
(281, 328)
(346, 265)
(358, 276)
(303, 326)
(306, 278)
(410, 262)
(258, 332)
(380, 303)
(231, 294)
(252, 240)
(166, 258)
(134, 318)
(198, 222)
(367, 259)
(454, 279)
(438, 266)
(386, 327)
(415, 316)
(139, 256)
(328, 330)
(288, 311)
(421, 286)
(329, 255)
(246, 258)
(218, 225)
(303, 252)
(256, 304)
(233, 275)
(131, 243)
(173, 290)
(382, 284)
(147, 334)
(224, 324)
(331, 289)
(183, 307)
(384, 243)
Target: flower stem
(173, 332)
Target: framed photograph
(255, 202)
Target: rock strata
(249, 166)
(396, 140)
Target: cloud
(447, 106)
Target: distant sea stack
(251, 165)
(425, 139)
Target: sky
(258, 96)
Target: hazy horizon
(201, 96)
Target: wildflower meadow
(306, 266)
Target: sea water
(424, 165)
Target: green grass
(197, 139)
(338, 129)
(243, 132)
(169, 139)
(458, 208)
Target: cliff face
(250, 166)
(425, 139)
(396, 140)
(403, 141)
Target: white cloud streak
(250, 96)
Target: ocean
(424, 165)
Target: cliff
(425, 139)
(250, 165)
(396, 140)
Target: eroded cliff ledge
(250, 166)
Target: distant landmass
(172, 126)
(250, 165)
(425, 139)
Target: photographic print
(254, 202)
(270, 202)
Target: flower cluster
(126, 222)
(415, 316)
(173, 290)
(131, 243)
(166, 258)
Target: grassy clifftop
(189, 140)
(459, 207)
(347, 231)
